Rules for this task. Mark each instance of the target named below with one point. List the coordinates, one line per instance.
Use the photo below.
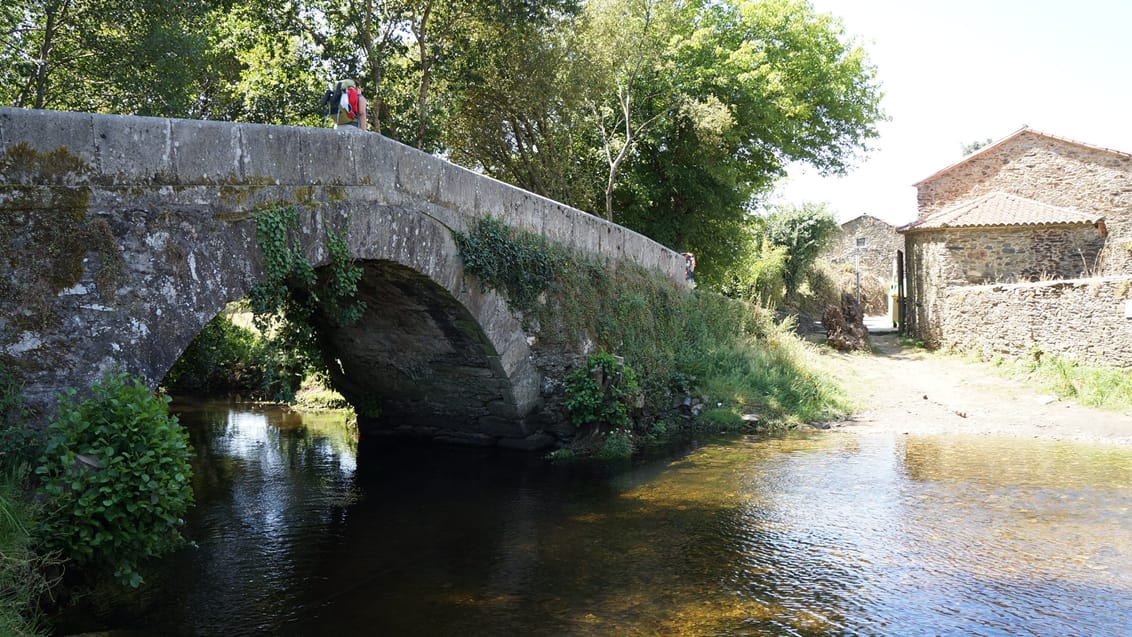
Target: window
(860, 242)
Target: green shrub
(294, 296)
(760, 279)
(116, 478)
(803, 231)
(602, 392)
(617, 445)
(562, 455)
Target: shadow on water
(300, 532)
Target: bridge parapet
(234, 167)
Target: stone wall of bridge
(122, 236)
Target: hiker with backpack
(345, 105)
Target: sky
(962, 71)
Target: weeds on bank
(1101, 387)
(729, 354)
(23, 579)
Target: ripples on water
(299, 532)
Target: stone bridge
(121, 237)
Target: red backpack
(344, 102)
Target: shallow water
(300, 532)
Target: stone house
(1017, 219)
(867, 244)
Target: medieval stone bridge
(121, 237)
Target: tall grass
(703, 343)
(1107, 388)
(22, 579)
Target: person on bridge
(690, 269)
(346, 105)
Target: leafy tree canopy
(673, 117)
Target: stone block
(500, 427)
(418, 174)
(206, 152)
(492, 197)
(327, 156)
(134, 150)
(587, 234)
(525, 210)
(375, 160)
(272, 154)
(45, 132)
(613, 241)
(558, 223)
(457, 192)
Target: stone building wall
(1050, 170)
(976, 256)
(880, 244)
(1080, 319)
(941, 259)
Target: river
(298, 530)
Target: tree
(976, 145)
(802, 231)
(203, 59)
(625, 43)
(521, 112)
(765, 84)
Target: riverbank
(910, 391)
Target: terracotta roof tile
(999, 209)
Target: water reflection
(302, 532)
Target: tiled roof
(1025, 130)
(999, 209)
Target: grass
(774, 377)
(313, 396)
(1107, 388)
(728, 354)
(22, 579)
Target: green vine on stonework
(523, 265)
(291, 287)
(293, 295)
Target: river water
(299, 531)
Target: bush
(801, 232)
(294, 296)
(116, 478)
(522, 264)
(617, 445)
(602, 392)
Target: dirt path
(915, 392)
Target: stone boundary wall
(1081, 319)
(233, 167)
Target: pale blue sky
(962, 71)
